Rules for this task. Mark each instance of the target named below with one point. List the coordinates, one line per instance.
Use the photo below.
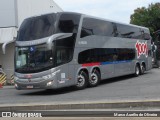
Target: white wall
(7, 34)
(27, 8)
(7, 13)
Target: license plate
(29, 87)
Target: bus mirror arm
(5, 44)
(56, 37)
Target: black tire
(95, 79)
(137, 71)
(143, 69)
(82, 80)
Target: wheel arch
(138, 63)
(82, 69)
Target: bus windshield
(37, 27)
(33, 59)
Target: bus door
(61, 61)
(64, 57)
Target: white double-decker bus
(70, 49)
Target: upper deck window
(126, 31)
(68, 23)
(37, 27)
(92, 26)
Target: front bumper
(34, 84)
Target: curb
(74, 106)
(8, 87)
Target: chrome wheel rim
(94, 78)
(80, 81)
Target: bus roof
(84, 15)
(116, 22)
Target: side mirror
(57, 36)
(5, 44)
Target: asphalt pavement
(127, 93)
(126, 88)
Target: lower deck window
(106, 55)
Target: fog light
(49, 83)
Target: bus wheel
(137, 70)
(95, 78)
(82, 80)
(142, 69)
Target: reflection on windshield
(33, 59)
(37, 27)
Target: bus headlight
(50, 83)
(47, 77)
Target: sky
(116, 10)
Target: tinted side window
(68, 23)
(92, 26)
(84, 57)
(64, 50)
(125, 31)
(145, 34)
(125, 54)
(105, 55)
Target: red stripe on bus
(90, 64)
